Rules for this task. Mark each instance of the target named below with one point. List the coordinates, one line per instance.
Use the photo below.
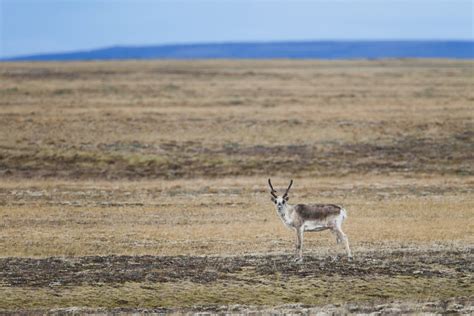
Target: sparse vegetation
(144, 166)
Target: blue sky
(43, 26)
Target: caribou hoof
(298, 260)
(334, 258)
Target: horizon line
(170, 44)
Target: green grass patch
(244, 289)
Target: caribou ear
(273, 199)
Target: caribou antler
(287, 190)
(273, 190)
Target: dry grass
(171, 158)
(222, 118)
(228, 216)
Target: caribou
(311, 218)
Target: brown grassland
(141, 185)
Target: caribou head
(280, 201)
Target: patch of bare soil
(120, 269)
(191, 159)
(67, 272)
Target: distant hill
(270, 50)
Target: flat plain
(141, 185)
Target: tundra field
(142, 185)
